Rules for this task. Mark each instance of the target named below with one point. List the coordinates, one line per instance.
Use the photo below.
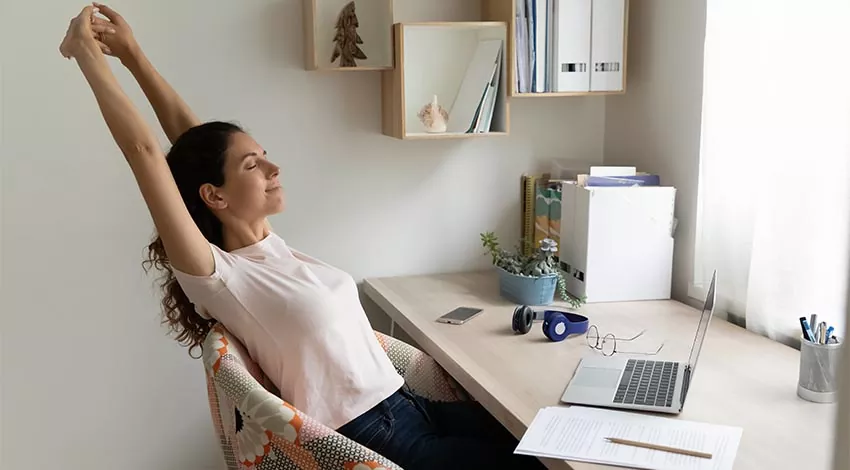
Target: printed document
(579, 433)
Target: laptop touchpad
(597, 377)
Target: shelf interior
(375, 20)
(435, 62)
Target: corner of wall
(656, 124)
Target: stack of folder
(541, 210)
(569, 45)
(475, 103)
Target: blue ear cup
(558, 325)
(555, 326)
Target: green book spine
(541, 213)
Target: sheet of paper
(613, 171)
(578, 433)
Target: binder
(529, 182)
(607, 28)
(530, 33)
(490, 100)
(477, 79)
(572, 46)
(542, 200)
(521, 55)
(541, 11)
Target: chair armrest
(421, 372)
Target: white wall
(2, 156)
(656, 123)
(89, 378)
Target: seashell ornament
(434, 117)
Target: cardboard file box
(617, 242)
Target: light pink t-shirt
(302, 321)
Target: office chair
(258, 430)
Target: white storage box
(617, 242)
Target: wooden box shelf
(435, 59)
(604, 26)
(325, 27)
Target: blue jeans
(417, 433)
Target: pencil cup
(818, 381)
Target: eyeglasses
(608, 343)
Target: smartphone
(460, 315)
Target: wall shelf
(436, 58)
(374, 26)
(599, 41)
(556, 94)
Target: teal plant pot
(527, 290)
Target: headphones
(557, 325)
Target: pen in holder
(818, 381)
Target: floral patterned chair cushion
(258, 430)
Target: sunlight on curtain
(774, 174)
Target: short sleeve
(201, 290)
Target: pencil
(647, 445)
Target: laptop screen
(705, 318)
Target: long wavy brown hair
(196, 158)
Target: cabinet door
(608, 28)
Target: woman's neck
(240, 235)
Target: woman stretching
(299, 318)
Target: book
(542, 200)
(634, 180)
(467, 105)
(541, 210)
(484, 117)
(555, 215)
(528, 197)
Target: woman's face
(251, 189)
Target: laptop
(620, 381)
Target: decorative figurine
(347, 39)
(434, 117)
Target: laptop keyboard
(647, 383)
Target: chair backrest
(260, 431)
(237, 436)
(220, 343)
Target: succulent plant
(540, 262)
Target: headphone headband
(557, 324)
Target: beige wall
(656, 124)
(89, 378)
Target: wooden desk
(742, 379)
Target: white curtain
(774, 177)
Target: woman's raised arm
(174, 115)
(184, 243)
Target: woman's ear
(212, 197)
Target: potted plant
(529, 279)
